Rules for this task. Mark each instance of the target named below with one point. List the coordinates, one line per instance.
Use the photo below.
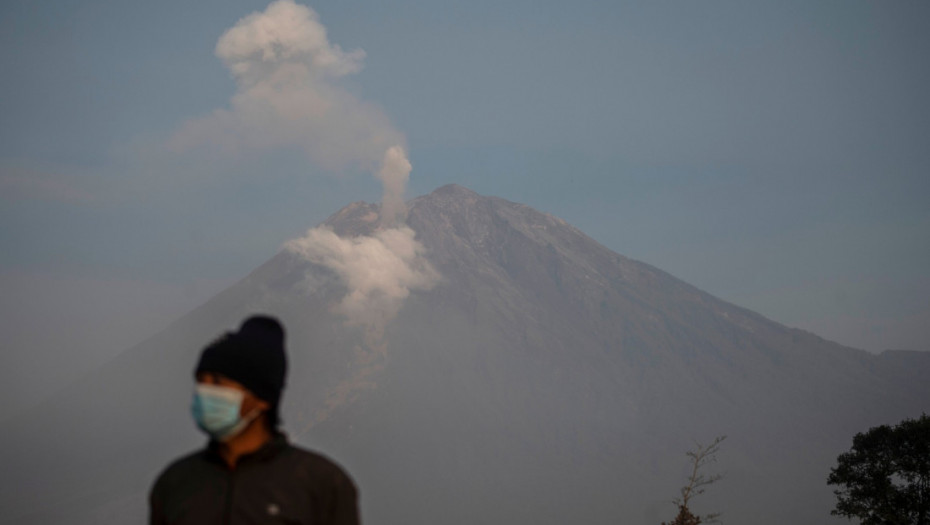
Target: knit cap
(253, 356)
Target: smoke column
(288, 94)
(379, 271)
(394, 174)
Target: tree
(885, 477)
(697, 483)
(684, 517)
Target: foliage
(684, 517)
(885, 477)
(697, 483)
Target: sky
(775, 154)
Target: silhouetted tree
(684, 517)
(885, 477)
(697, 483)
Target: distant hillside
(544, 379)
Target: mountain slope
(544, 379)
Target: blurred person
(249, 472)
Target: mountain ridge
(545, 378)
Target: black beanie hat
(253, 356)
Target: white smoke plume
(379, 271)
(394, 174)
(289, 94)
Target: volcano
(543, 379)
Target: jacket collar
(267, 451)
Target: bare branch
(700, 456)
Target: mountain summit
(543, 378)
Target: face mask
(216, 410)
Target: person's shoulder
(329, 483)
(312, 459)
(187, 461)
(317, 465)
(180, 467)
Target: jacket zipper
(227, 513)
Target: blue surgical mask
(216, 410)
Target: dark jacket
(278, 483)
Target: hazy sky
(774, 154)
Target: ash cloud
(380, 271)
(289, 94)
(394, 174)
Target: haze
(773, 155)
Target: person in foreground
(248, 472)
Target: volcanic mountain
(543, 379)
